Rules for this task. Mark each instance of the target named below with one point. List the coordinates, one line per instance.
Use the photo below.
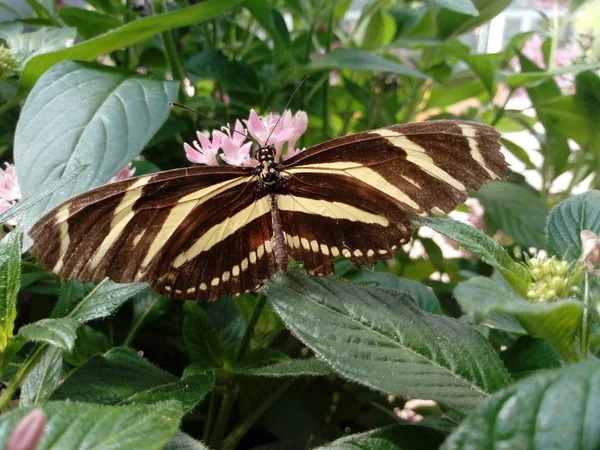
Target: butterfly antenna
(209, 118)
(286, 106)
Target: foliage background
(89, 88)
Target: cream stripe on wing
(417, 155)
(180, 211)
(469, 132)
(362, 173)
(223, 230)
(334, 210)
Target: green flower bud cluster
(551, 279)
(8, 62)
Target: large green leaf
(46, 39)
(88, 23)
(81, 113)
(555, 410)
(453, 23)
(122, 376)
(104, 300)
(486, 248)
(516, 210)
(462, 6)
(362, 60)
(568, 219)
(124, 36)
(10, 276)
(42, 378)
(531, 79)
(58, 332)
(424, 296)
(73, 426)
(232, 75)
(557, 322)
(398, 437)
(382, 339)
(201, 338)
(184, 442)
(287, 368)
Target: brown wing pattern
(393, 173)
(174, 229)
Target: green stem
(16, 381)
(500, 111)
(584, 340)
(223, 417)
(554, 38)
(240, 430)
(245, 343)
(171, 50)
(210, 417)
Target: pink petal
(28, 431)
(204, 141)
(256, 127)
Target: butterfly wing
(364, 187)
(193, 233)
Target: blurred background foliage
(529, 68)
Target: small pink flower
(236, 151)
(124, 173)
(28, 431)
(9, 187)
(223, 97)
(272, 130)
(10, 193)
(205, 152)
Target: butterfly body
(203, 232)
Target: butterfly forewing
(203, 232)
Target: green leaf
(382, 339)
(227, 319)
(550, 410)
(397, 437)
(557, 322)
(10, 274)
(46, 39)
(516, 210)
(89, 342)
(232, 75)
(58, 332)
(567, 220)
(483, 67)
(362, 60)
(76, 109)
(289, 368)
(461, 6)
(121, 376)
(532, 79)
(453, 23)
(184, 442)
(453, 91)
(104, 300)
(518, 152)
(125, 36)
(88, 23)
(42, 378)
(201, 338)
(72, 426)
(424, 296)
(378, 30)
(486, 248)
(528, 356)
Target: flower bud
(8, 62)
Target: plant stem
(175, 66)
(584, 339)
(210, 417)
(500, 111)
(245, 343)
(229, 397)
(20, 376)
(241, 429)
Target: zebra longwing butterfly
(202, 232)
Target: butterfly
(203, 232)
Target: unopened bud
(590, 244)
(28, 431)
(8, 62)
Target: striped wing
(354, 195)
(193, 233)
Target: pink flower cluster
(234, 146)
(9, 190)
